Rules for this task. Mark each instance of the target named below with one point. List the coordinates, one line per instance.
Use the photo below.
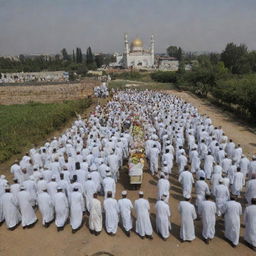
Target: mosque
(135, 55)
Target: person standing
(163, 214)
(232, 212)
(46, 207)
(188, 215)
(11, 213)
(77, 209)
(28, 216)
(250, 224)
(208, 212)
(125, 207)
(61, 209)
(187, 180)
(143, 223)
(95, 215)
(111, 214)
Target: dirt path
(40, 241)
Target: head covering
(124, 193)
(22, 187)
(141, 193)
(89, 176)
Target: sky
(47, 26)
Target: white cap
(187, 196)
(22, 187)
(141, 193)
(108, 174)
(2, 177)
(89, 176)
(124, 193)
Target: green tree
(172, 51)
(79, 55)
(235, 58)
(89, 56)
(64, 54)
(99, 59)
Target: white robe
(163, 214)
(46, 207)
(208, 212)
(232, 212)
(28, 215)
(76, 209)
(143, 223)
(95, 218)
(163, 187)
(61, 209)
(250, 224)
(11, 213)
(222, 196)
(125, 207)
(188, 215)
(238, 183)
(250, 190)
(187, 180)
(111, 214)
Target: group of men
(65, 176)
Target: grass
(21, 126)
(121, 84)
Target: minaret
(126, 51)
(152, 50)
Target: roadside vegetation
(21, 126)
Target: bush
(23, 125)
(164, 77)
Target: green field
(23, 125)
(122, 84)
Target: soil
(41, 241)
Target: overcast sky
(46, 26)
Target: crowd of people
(101, 91)
(65, 177)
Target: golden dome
(137, 43)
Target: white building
(136, 55)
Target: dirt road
(40, 241)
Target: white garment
(28, 215)
(232, 212)
(11, 213)
(163, 214)
(143, 223)
(125, 207)
(250, 224)
(187, 180)
(61, 209)
(111, 214)
(95, 218)
(208, 211)
(188, 215)
(76, 209)
(46, 207)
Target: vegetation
(77, 62)
(228, 79)
(23, 125)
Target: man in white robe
(77, 209)
(208, 212)
(238, 183)
(125, 206)
(143, 223)
(61, 209)
(250, 224)
(232, 212)
(202, 189)
(46, 207)
(188, 215)
(163, 214)
(154, 159)
(163, 187)
(28, 216)
(221, 196)
(11, 213)
(251, 189)
(95, 216)
(111, 214)
(208, 165)
(186, 179)
(89, 190)
(109, 184)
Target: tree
(79, 55)
(99, 59)
(235, 58)
(172, 51)
(179, 54)
(64, 54)
(89, 56)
